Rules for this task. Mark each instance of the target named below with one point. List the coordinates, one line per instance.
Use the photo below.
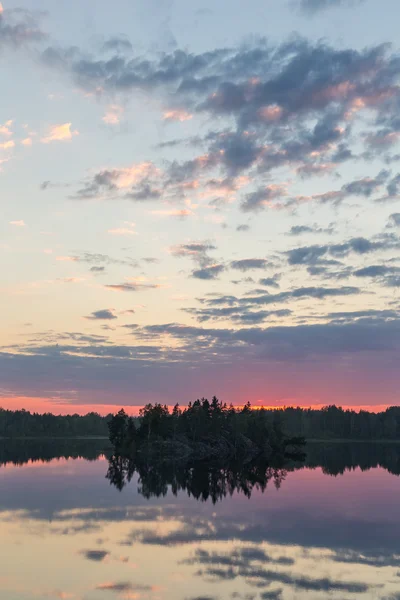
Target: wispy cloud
(20, 223)
(129, 229)
(177, 115)
(113, 115)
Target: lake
(328, 528)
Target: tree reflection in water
(212, 481)
(204, 481)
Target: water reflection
(293, 531)
(202, 481)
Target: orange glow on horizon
(64, 407)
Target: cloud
(133, 181)
(181, 213)
(312, 7)
(104, 314)
(249, 563)
(27, 142)
(311, 255)
(197, 251)
(210, 272)
(274, 354)
(60, 133)
(248, 264)
(395, 219)
(7, 145)
(117, 44)
(272, 595)
(20, 223)
(95, 555)
(5, 128)
(301, 229)
(270, 281)
(262, 198)
(177, 115)
(243, 228)
(129, 230)
(19, 27)
(99, 260)
(123, 586)
(113, 115)
(136, 286)
(373, 271)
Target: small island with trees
(203, 431)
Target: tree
(118, 428)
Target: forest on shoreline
(328, 423)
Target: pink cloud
(60, 133)
(180, 213)
(113, 115)
(177, 115)
(5, 129)
(20, 223)
(272, 112)
(7, 145)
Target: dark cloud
(393, 187)
(311, 255)
(266, 577)
(302, 229)
(270, 95)
(136, 286)
(97, 269)
(243, 228)
(312, 7)
(369, 559)
(261, 198)
(239, 151)
(248, 264)
(263, 298)
(395, 219)
(95, 555)
(198, 251)
(123, 586)
(271, 595)
(46, 185)
(366, 186)
(105, 314)
(270, 281)
(211, 272)
(20, 27)
(117, 44)
(203, 598)
(373, 271)
(148, 371)
(240, 315)
(249, 563)
(99, 260)
(144, 192)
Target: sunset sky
(199, 198)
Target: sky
(199, 198)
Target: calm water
(330, 529)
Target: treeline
(331, 422)
(202, 431)
(22, 423)
(19, 452)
